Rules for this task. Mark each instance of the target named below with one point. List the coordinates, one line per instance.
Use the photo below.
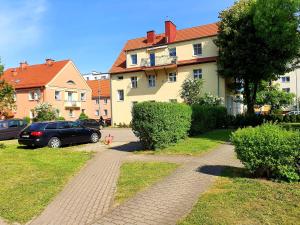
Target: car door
(66, 133)
(13, 129)
(4, 134)
(82, 133)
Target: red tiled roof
(32, 76)
(104, 87)
(181, 35)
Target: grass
(137, 176)
(235, 199)
(30, 179)
(195, 145)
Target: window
(286, 90)
(63, 125)
(151, 80)
(51, 126)
(57, 95)
(172, 51)
(105, 101)
(173, 100)
(15, 96)
(105, 112)
(120, 77)
(133, 82)
(133, 59)
(70, 82)
(71, 113)
(82, 96)
(97, 113)
(87, 78)
(83, 111)
(285, 79)
(34, 95)
(197, 49)
(172, 77)
(97, 101)
(120, 95)
(197, 73)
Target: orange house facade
(101, 105)
(58, 83)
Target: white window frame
(105, 112)
(71, 113)
(132, 56)
(105, 100)
(172, 50)
(196, 48)
(83, 98)
(286, 79)
(133, 82)
(119, 95)
(287, 90)
(97, 112)
(151, 81)
(97, 100)
(34, 95)
(172, 77)
(197, 75)
(57, 98)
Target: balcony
(159, 61)
(70, 104)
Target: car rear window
(37, 126)
(51, 126)
(3, 125)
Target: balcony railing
(72, 104)
(158, 61)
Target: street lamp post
(99, 93)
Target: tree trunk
(250, 96)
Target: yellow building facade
(154, 68)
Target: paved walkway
(169, 200)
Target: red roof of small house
(104, 87)
(181, 35)
(33, 76)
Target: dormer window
(71, 82)
(133, 59)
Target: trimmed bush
(205, 118)
(160, 124)
(83, 116)
(269, 151)
(27, 119)
(61, 118)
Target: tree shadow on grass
(224, 171)
(128, 147)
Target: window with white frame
(133, 59)
(172, 77)
(97, 101)
(133, 82)
(71, 113)
(105, 101)
(172, 51)
(105, 112)
(285, 79)
(151, 81)
(57, 95)
(288, 90)
(82, 96)
(97, 112)
(34, 95)
(120, 77)
(120, 94)
(197, 49)
(197, 73)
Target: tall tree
(7, 102)
(258, 41)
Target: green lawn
(31, 178)
(238, 200)
(136, 176)
(195, 145)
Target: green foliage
(45, 112)
(61, 118)
(191, 90)
(83, 116)
(210, 100)
(27, 119)
(7, 101)
(269, 151)
(258, 40)
(272, 95)
(160, 124)
(205, 118)
(2, 146)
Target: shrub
(61, 118)
(27, 119)
(298, 118)
(83, 116)
(269, 150)
(205, 118)
(45, 112)
(160, 124)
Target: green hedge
(160, 124)
(269, 151)
(205, 118)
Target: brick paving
(171, 199)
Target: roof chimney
(170, 31)
(49, 62)
(23, 65)
(151, 36)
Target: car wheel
(94, 138)
(54, 143)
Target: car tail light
(36, 133)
